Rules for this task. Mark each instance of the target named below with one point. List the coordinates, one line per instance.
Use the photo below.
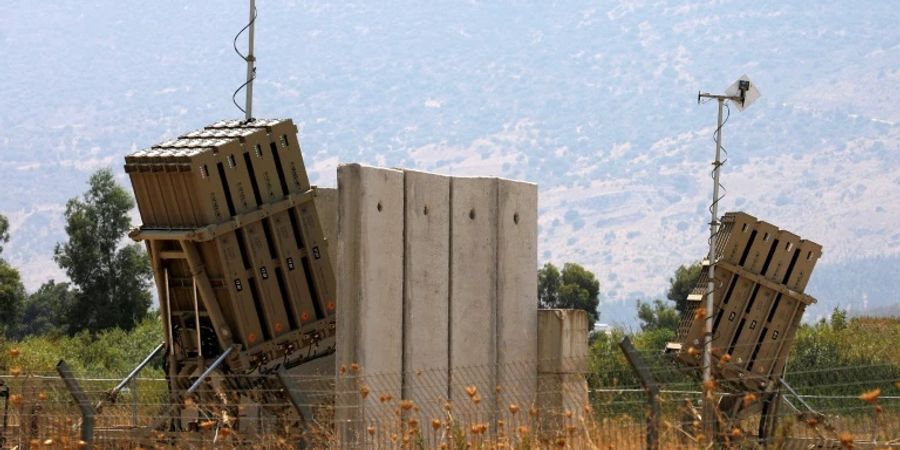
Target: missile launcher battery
(238, 252)
(760, 275)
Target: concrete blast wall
(437, 295)
(562, 363)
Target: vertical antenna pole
(251, 64)
(709, 406)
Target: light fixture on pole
(741, 94)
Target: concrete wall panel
(473, 288)
(426, 293)
(562, 355)
(370, 296)
(516, 292)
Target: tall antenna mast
(251, 63)
(742, 93)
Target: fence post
(768, 420)
(649, 385)
(134, 402)
(87, 412)
(4, 394)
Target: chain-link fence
(855, 406)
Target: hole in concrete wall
(516, 218)
(472, 214)
(425, 210)
(379, 206)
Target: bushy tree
(572, 288)
(838, 319)
(657, 316)
(548, 286)
(682, 283)
(112, 280)
(12, 295)
(12, 292)
(45, 310)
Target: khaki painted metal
(229, 217)
(761, 272)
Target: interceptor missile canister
(238, 251)
(761, 273)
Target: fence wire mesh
(606, 407)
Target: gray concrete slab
(516, 293)
(473, 288)
(369, 299)
(426, 293)
(562, 363)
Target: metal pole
(111, 396)
(209, 370)
(295, 396)
(251, 63)
(197, 323)
(4, 394)
(87, 413)
(168, 320)
(708, 398)
(649, 384)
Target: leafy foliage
(573, 288)
(112, 282)
(682, 283)
(110, 352)
(657, 316)
(12, 296)
(835, 356)
(548, 285)
(45, 310)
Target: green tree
(657, 316)
(45, 310)
(682, 283)
(573, 288)
(12, 292)
(112, 281)
(838, 319)
(12, 295)
(548, 286)
(4, 231)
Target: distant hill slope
(596, 103)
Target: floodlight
(742, 93)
